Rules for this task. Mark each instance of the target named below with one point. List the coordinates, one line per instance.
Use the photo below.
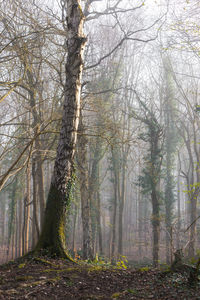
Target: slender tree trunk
(121, 208)
(2, 220)
(179, 208)
(85, 202)
(27, 201)
(74, 228)
(116, 185)
(52, 237)
(114, 222)
(93, 188)
(141, 228)
(35, 225)
(156, 227)
(12, 217)
(20, 227)
(99, 221)
(13, 244)
(17, 221)
(194, 198)
(193, 217)
(40, 181)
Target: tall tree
(52, 237)
(150, 179)
(170, 142)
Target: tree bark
(35, 224)
(27, 212)
(52, 238)
(85, 201)
(156, 227)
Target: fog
(137, 154)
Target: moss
(96, 268)
(60, 270)
(116, 295)
(144, 269)
(41, 282)
(69, 283)
(23, 278)
(21, 266)
(53, 280)
(46, 262)
(131, 291)
(52, 238)
(34, 283)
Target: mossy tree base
(52, 238)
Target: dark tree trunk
(27, 200)
(35, 225)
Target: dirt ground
(44, 278)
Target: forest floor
(45, 278)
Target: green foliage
(144, 269)
(192, 188)
(70, 188)
(21, 266)
(122, 262)
(193, 260)
(116, 295)
(151, 173)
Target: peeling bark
(52, 238)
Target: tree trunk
(114, 222)
(52, 238)
(12, 217)
(40, 181)
(74, 227)
(20, 226)
(121, 206)
(93, 188)
(116, 185)
(99, 221)
(27, 211)
(2, 220)
(85, 203)
(178, 242)
(193, 216)
(35, 225)
(156, 229)
(141, 228)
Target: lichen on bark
(52, 237)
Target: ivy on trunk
(52, 238)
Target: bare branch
(128, 36)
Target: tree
(170, 143)
(52, 238)
(150, 179)
(85, 203)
